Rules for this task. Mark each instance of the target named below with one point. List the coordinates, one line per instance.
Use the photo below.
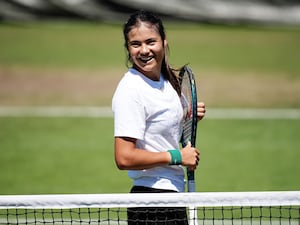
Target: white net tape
(152, 200)
(235, 208)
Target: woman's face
(146, 49)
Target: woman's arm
(128, 157)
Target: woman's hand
(200, 110)
(190, 156)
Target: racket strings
(189, 99)
(187, 131)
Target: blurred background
(61, 60)
(213, 11)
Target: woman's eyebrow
(134, 42)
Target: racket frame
(187, 70)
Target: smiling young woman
(148, 117)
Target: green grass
(61, 45)
(58, 156)
(86, 45)
(75, 155)
(237, 48)
(249, 155)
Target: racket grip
(191, 181)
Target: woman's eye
(151, 42)
(134, 44)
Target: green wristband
(175, 157)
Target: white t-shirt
(151, 112)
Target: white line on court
(253, 113)
(94, 111)
(55, 111)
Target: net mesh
(246, 208)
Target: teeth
(145, 59)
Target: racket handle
(191, 181)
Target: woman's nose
(144, 49)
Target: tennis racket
(189, 131)
(189, 102)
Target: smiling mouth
(146, 59)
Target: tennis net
(218, 208)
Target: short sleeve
(129, 114)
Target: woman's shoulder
(128, 90)
(129, 84)
(130, 80)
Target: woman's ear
(165, 43)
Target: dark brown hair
(149, 17)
